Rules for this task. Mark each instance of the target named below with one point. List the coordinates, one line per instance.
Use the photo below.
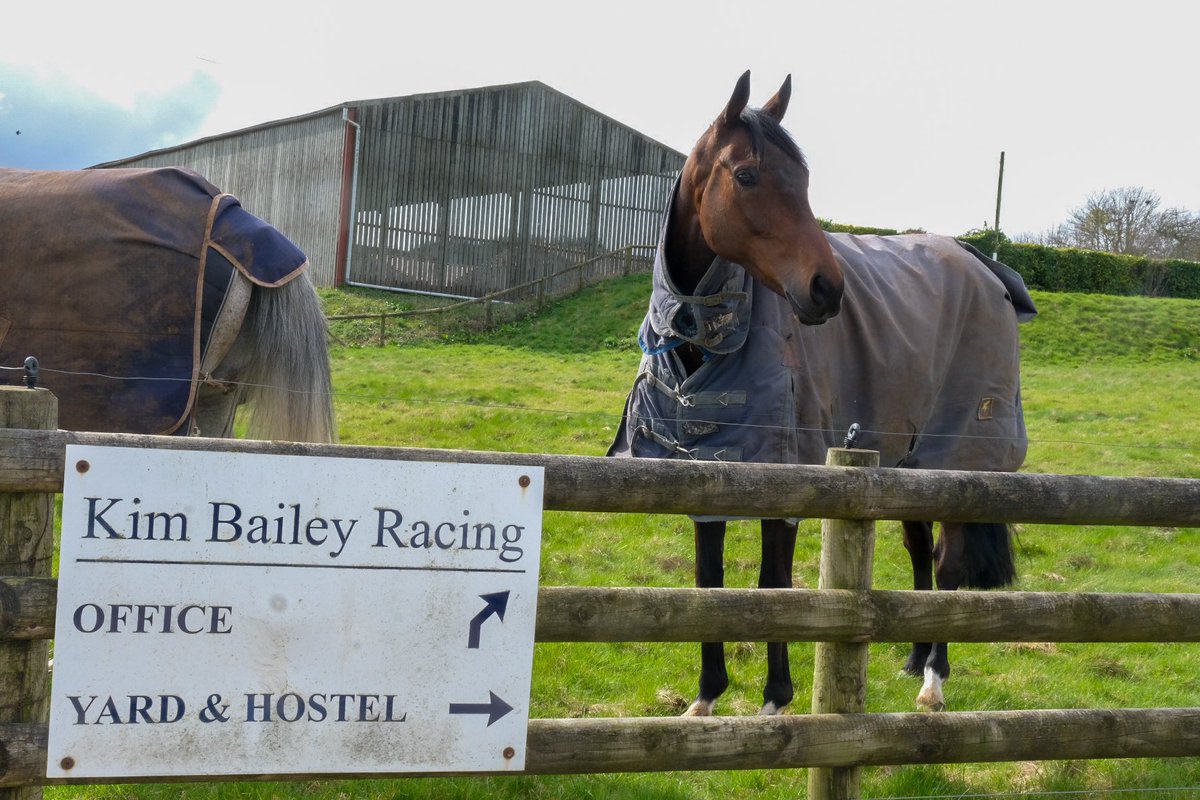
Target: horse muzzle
(823, 302)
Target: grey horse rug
(114, 279)
(924, 356)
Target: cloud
(66, 126)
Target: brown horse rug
(113, 279)
(924, 356)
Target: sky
(902, 108)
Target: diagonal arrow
(495, 708)
(496, 604)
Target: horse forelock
(766, 129)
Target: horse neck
(688, 258)
(688, 255)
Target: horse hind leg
(975, 555)
(927, 660)
(710, 574)
(775, 572)
(932, 696)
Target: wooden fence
(833, 745)
(569, 279)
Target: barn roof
(383, 101)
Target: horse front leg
(775, 572)
(710, 574)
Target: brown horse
(766, 338)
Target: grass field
(1111, 386)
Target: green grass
(1111, 386)
(1074, 329)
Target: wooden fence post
(26, 550)
(840, 668)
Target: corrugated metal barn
(458, 193)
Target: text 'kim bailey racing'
(227, 522)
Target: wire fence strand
(613, 418)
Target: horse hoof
(935, 706)
(930, 700)
(931, 697)
(699, 708)
(769, 710)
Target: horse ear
(777, 105)
(738, 100)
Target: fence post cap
(846, 457)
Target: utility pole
(999, 190)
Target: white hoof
(931, 697)
(700, 708)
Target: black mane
(764, 128)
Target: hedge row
(1067, 269)
(861, 230)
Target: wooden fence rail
(32, 461)
(626, 614)
(657, 744)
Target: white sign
(225, 614)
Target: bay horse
(766, 338)
(154, 303)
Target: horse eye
(746, 177)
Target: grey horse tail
(285, 375)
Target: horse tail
(284, 372)
(988, 555)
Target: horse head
(744, 196)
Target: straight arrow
(495, 708)
(497, 603)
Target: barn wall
(470, 192)
(289, 174)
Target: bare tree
(1115, 221)
(1178, 235)
(1127, 220)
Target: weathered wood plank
(33, 461)
(598, 614)
(23, 750)
(835, 740)
(27, 607)
(578, 614)
(653, 744)
(26, 549)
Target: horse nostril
(824, 296)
